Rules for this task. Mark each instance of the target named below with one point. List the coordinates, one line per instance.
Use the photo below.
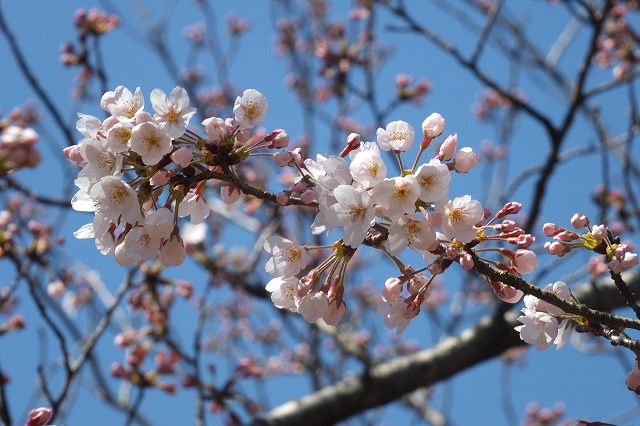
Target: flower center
(456, 216)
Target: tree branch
(388, 381)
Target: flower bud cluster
(17, 147)
(597, 238)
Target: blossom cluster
(356, 194)
(129, 159)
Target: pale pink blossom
(433, 125)
(354, 212)
(413, 231)
(215, 128)
(195, 205)
(392, 289)
(465, 160)
(172, 113)
(433, 178)
(250, 109)
(397, 136)
(115, 198)
(458, 217)
(284, 292)
(559, 289)
(368, 168)
(118, 136)
(123, 104)
(334, 312)
(230, 194)
(150, 142)
(506, 293)
(396, 196)
(287, 258)
(539, 329)
(633, 378)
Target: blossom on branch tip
(397, 136)
(250, 108)
(433, 125)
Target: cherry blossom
(458, 217)
(433, 125)
(539, 329)
(123, 104)
(368, 168)
(115, 198)
(354, 212)
(250, 108)
(397, 136)
(172, 113)
(396, 196)
(150, 142)
(284, 292)
(433, 178)
(287, 258)
(414, 231)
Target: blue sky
(591, 386)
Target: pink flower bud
(629, 260)
(506, 293)
(308, 196)
(392, 288)
(525, 240)
(39, 416)
(525, 261)
(566, 236)
(579, 221)
(599, 231)
(182, 156)
(615, 266)
(465, 260)
(448, 148)
(73, 153)
(556, 248)
(172, 252)
(353, 142)
(550, 229)
(243, 135)
(511, 207)
(334, 313)
(433, 125)
(159, 178)
(280, 139)
(465, 160)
